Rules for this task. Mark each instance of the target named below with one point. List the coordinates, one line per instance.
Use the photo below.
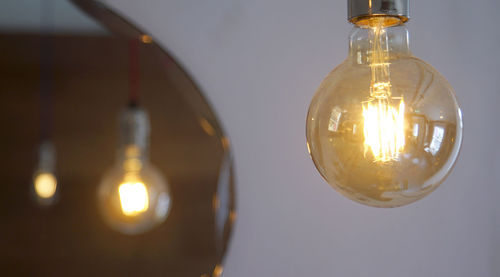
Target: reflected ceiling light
(133, 194)
(384, 128)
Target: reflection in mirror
(114, 162)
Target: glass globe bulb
(384, 128)
(45, 187)
(133, 195)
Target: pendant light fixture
(133, 195)
(384, 128)
(45, 186)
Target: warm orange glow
(146, 38)
(134, 198)
(225, 142)
(232, 215)
(218, 270)
(45, 185)
(207, 127)
(383, 129)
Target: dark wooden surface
(90, 86)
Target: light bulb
(45, 185)
(384, 128)
(44, 179)
(133, 195)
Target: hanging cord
(46, 67)
(134, 72)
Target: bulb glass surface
(133, 195)
(384, 128)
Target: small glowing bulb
(45, 185)
(134, 198)
(133, 195)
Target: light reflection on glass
(218, 270)
(415, 130)
(333, 123)
(207, 127)
(437, 139)
(146, 38)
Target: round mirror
(83, 92)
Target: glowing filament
(383, 129)
(383, 124)
(133, 198)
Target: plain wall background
(259, 64)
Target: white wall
(259, 63)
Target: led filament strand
(134, 198)
(383, 124)
(383, 129)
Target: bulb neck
(391, 39)
(46, 157)
(135, 130)
(360, 10)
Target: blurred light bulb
(45, 185)
(384, 128)
(133, 194)
(44, 179)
